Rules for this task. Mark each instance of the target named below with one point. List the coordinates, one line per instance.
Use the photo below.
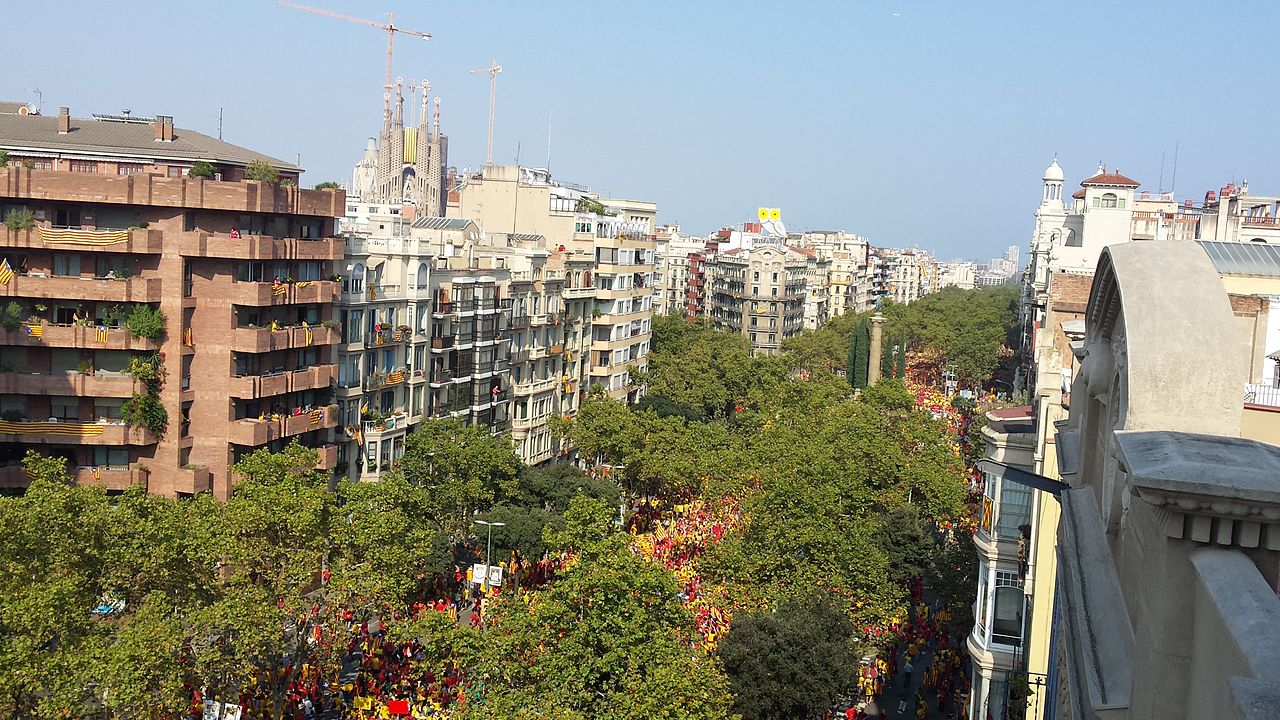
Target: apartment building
(673, 251)
(759, 293)
(1166, 604)
(106, 223)
(617, 234)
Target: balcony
(536, 386)
(77, 336)
(258, 247)
(381, 379)
(264, 339)
(518, 356)
(73, 433)
(519, 322)
(135, 289)
(387, 335)
(260, 294)
(148, 242)
(382, 292)
(252, 387)
(557, 349)
(114, 385)
(578, 292)
(260, 431)
(328, 457)
(185, 192)
(441, 344)
(396, 422)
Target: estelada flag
(398, 707)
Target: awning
(1022, 477)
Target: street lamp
(488, 547)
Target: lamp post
(488, 547)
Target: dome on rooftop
(1053, 173)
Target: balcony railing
(32, 432)
(250, 387)
(267, 339)
(134, 289)
(264, 429)
(1264, 394)
(283, 293)
(258, 247)
(100, 384)
(86, 337)
(148, 242)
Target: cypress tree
(859, 354)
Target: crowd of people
(676, 538)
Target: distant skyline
(911, 123)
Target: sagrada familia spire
(405, 163)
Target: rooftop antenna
(519, 143)
(39, 99)
(1162, 173)
(219, 122)
(548, 142)
(493, 70)
(1173, 184)
(389, 26)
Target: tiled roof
(1079, 194)
(11, 108)
(122, 139)
(807, 252)
(1111, 179)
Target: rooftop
(1111, 179)
(1237, 258)
(121, 138)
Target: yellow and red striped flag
(6, 272)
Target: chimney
(164, 128)
(64, 120)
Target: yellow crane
(389, 26)
(493, 70)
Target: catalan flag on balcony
(316, 416)
(395, 377)
(35, 331)
(398, 335)
(50, 428)
(306, 283)
(187, 338)
(6, 272)
(97, 472)
(64, 236)
(279, 289)
(309, 335)
(100, 334)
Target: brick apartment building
(104, 223)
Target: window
(1006, 616)
(1108, 200)
(65, 409)
(83, 166)
(175, 171)
(1014, 509)
(66, 218)
(130, 168)
(67, 265)
(1073, 240)
(111, 456)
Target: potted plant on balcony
(19, 219)
(11, 318)
(85, 367)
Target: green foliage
(201, 169)
(145, 410)
(328, 185)
(967, 328)
(699, 368)
(794, 662)
(148, 369)
(4, 158)
(907, 543)
(464, 468)
(591, 205)
(261, 170)
(145, 321)
(19, 219)
(859, 354)
(609, 639)
(11, 318)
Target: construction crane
(389, 26)
(493, 70)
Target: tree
(201, 169)
(906, 542)
(328, 185)
(464, 468)
(145, 321)
(859, 354)
(261, 170)
(609, 639)
(794, 662)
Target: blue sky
(914, 123)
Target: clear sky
(913, 123)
